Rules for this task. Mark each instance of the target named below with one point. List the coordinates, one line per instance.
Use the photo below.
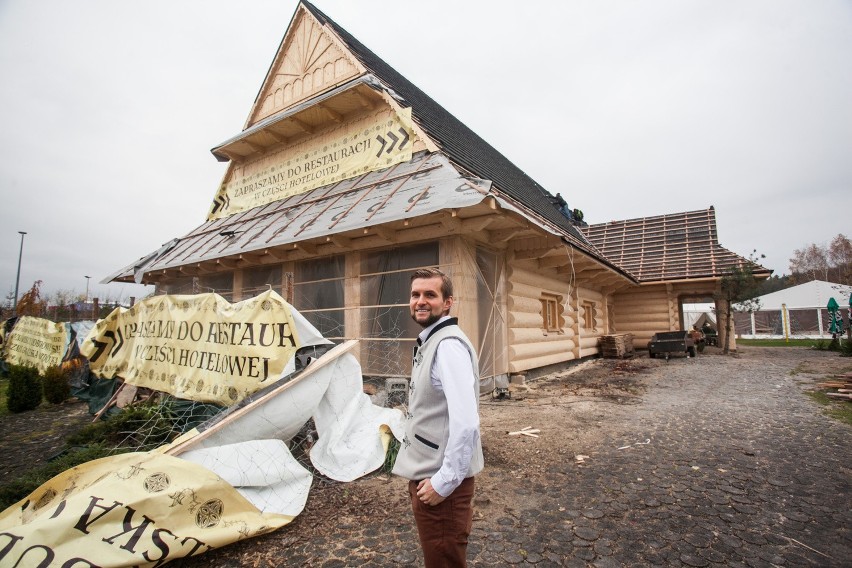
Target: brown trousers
(444, 529)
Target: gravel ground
(710, 461)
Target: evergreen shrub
(24, 389)
(56, 387)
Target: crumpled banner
(37, 342)
(200, 347)
(138, 509)
(353, 436)
(143, 509)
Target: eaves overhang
(303, 119)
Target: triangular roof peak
(309, 60)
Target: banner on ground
(373, 143)
(200, 347)
(139, 509)
(144, 509)
(36, 342)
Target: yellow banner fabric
(139, 509)
(358, 147)
(198, 347)
(36, 342)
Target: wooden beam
(503, 235)
(553, 261)
(339, 240)
(276, 253)
(364, 101)
(302, 126)
(476, 224)
(279, 139)
(451, 222)
(254, 147)
(531, 254)
(228, 263)
(309, 248)
(383, 232)
(335, 116)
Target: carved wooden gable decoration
(309, 60)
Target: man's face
(427, 303)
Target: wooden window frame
(550, 313)
(589, 308)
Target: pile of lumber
(842, 384)
(617, 346)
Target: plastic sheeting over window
(318, 293)
(262, 278)
(365, 297)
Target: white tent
(813, 294)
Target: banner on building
(373, 143)
(36, 342)
(138, 509)
(200, 347)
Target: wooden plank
(255, 402)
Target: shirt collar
(424, 335)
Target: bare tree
(840, 256)
(832, 263)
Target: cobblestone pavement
(740, 469)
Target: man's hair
(446, 283)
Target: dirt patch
(31, 438)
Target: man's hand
(427, 494)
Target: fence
(799, 323)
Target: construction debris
(526, 431)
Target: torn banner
(143, 509)
(200, 347)
(36, 342)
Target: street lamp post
(18, 277)
(87, 288)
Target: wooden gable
(309, 60)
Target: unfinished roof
(459, 142)
(667, 247)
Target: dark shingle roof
(667, 247)
(459, 142)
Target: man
(441, 450)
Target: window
(260, 279)
(550, 312)
(589, 315)
(318, 294)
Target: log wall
(530, 344)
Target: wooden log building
(347, 176)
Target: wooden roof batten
(677, 246)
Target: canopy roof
(667, 247)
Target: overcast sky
(108, 110)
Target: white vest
(427, 426)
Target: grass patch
(4, 390)
(811, 343)
(838, 409)
(137, 429)
(14, 491)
